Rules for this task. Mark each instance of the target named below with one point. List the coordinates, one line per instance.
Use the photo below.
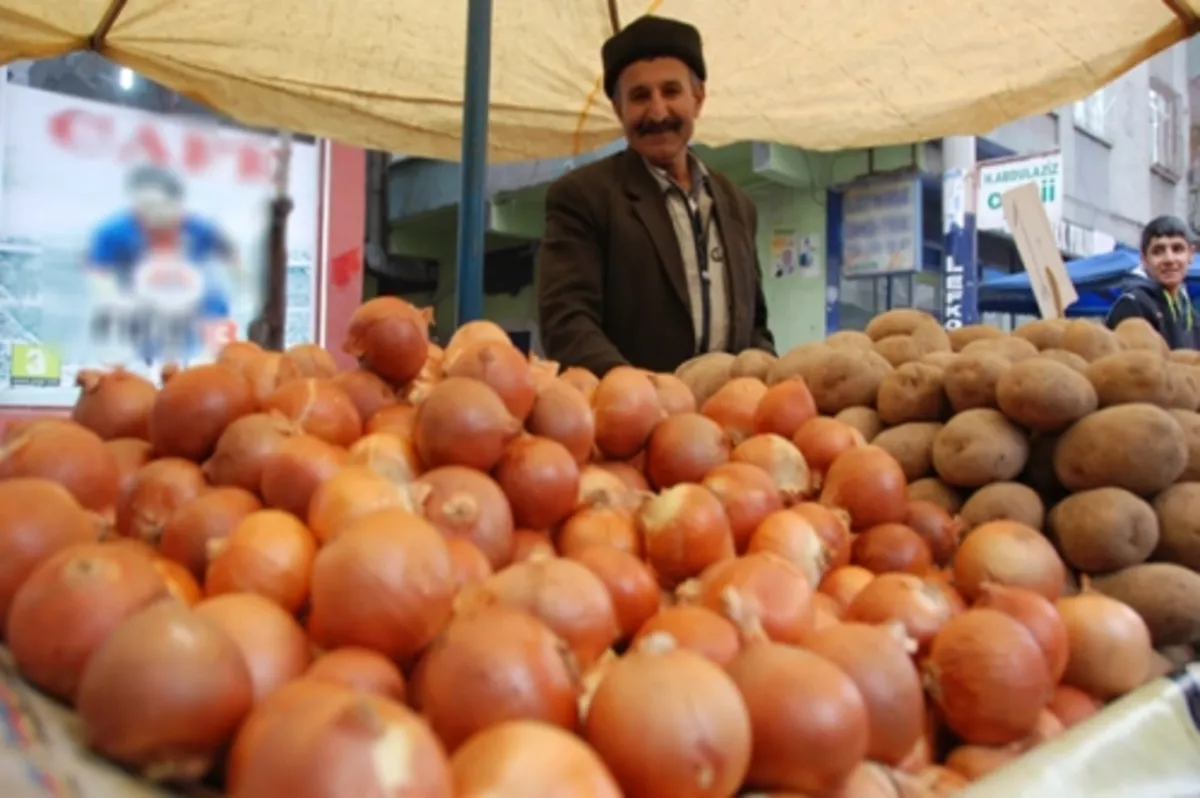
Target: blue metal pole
(471, 223)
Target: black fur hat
(651, 37)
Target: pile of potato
(1088, 434)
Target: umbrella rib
(1191, 23)
(96, 40)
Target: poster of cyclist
(134, 239)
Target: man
(1157, 291)
(648, 257)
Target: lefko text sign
(134, 239)
(994, 178)
(881, 226)
(960, 271)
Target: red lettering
(145, 145)
(83, 132)
(255, 164)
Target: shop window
(1166, 129)
(1091, 113)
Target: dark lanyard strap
(700, 237)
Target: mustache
(649, 127)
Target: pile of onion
(114, 404)
(273, 644)
(390, 337)
(524, 757)
(194, 407)
(66, 453)
(268, 553)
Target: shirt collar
(666, 182)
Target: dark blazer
(610, 280)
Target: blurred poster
(794, 253)
(134, 239)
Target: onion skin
(531, 675)
(793, 537)
(973, 762)
(1109, 645)
(469, 563)
(159, 489)
(784, 408)
(869, 484)
(500, 366)
(360, 669)
(747, 494)
(1039, 617)
(684, 530)
(581, 380)
(667, 721)
(274, 647)
(988, 676)
(526, 758)
(294, 474)
(114, 404)
(463, 422)
(390, 337)
(733, 406)
(398, 419)
(311, 360)
(129, 454)
(1008, 553)
(194, 407)
(876, 659)
(808, 719)
(822, 439)
(770, 587)
(37, 519)
(67, 453)
(70, 604)
(164, 693)
(599, 525)
(921, 607)
(180, 583)
(630, 584)
(562, 413)
(845, 583)
(213, 515)
(352, 493)
(1073, 706)
(937, 527)
(887, 548)
(244, 449)
(367, 391)
(695, 628)
(541, 480)
(318, 408)
(684, 448)
(627, 409)
(462, 502)
(269, 553)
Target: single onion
(274, 647)
(564, 594)
(114, 404)
(684, 530)
(465, 503)
(808, 719)
(390, 337)
(821, 439)
(673, 394)
(581, 380)
(37, 519)
(463, 422)
(772, 589)
(544, 371)
(793, 537)
(884, 548)
(833, 527)
(367, 391)
(541, 480)
(748, 495)
(265, 372)
(988, 677)
(388, 455)
(293, 474)
(180, 582)
(1108, 644)
(940, 530)
(869, 484)
(734, 404)
(562, 413)
(471, 334)
(630, 584)
(405, 561)
(500, 366)
(359, 669)
(1008, 553)
(159, 489)
(245, 447)
(627, 409)
(318, 408)
(921, 607)
(600, 524)
(694, 628)
(353, 493)
(130, 454)
(667, 721)
(530, 675)
(470, 564)
(312, 360)
(194, 407)
(1072, 706)
(399, 420)
(1039, 617)
(527, 758)
(269, 553)
(212, 515)
(684, 448)
(321, 739)
(784, 408)
(165, 693)
(876, 658)
(70, 604)
(779, 458)
(845, 583)
(626, 472)
(237, 355)
(67, 453)
(530, 544)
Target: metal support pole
(960, 266)
(469, 285)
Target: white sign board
(1034, 237)
(997, 177)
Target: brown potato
(1039, 470)
(1132, 376)
(1089, 339)
(705, 374)
(1137, 333)
(1104, 529)
(1138, 447)
(1189, 422)
(913, 392)
(1013, 349)
(900, 321)
(898, 349)
(1167, 597)
(794, 362)
(1189, 356)
(972, 332)
(1183, 383)
(970, 381)
(1044, 395)
(1178, 510)
(934, 490)
(1066, 358)
(840, 377)
(1042, 333)
(912, 446)
(1010, 500)
(863, 419)
(851, 338)
(752, 363)
(939, 359)
(977, 447)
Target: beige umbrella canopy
(831, 74)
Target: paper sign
(1034, 237)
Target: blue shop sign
(881, 226)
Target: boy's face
(1166, 260)
(156, 208)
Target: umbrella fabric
(388, 74)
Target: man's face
(156, 208)
(658, 102)
(1167, 259)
